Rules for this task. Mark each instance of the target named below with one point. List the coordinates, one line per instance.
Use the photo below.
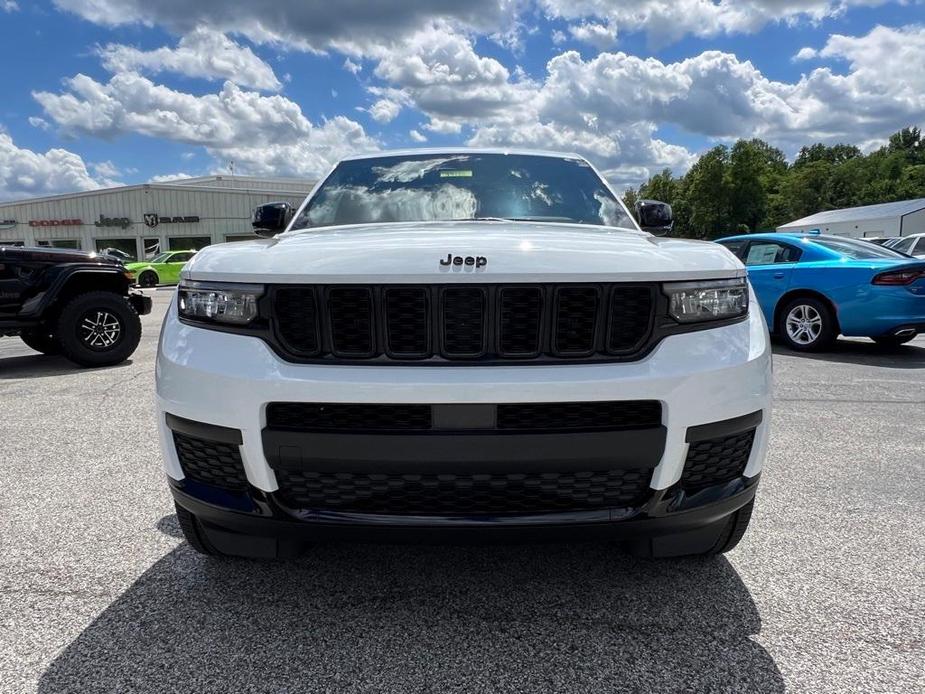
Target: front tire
(98, 329)
(148, 279)
(41, 341)
(709, 541)
(807, 325)
(194, 534)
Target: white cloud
(417, 136)
(167, 178)
(805, 53)
(201, 53)
(263, 134)
(106, 169)
(666, 21)
(601, 36)
(558, 37)
(39, 123)
(9, 6)
(306, 24)
(25, 173)
(352, 67)
(384, 110)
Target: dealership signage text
(153, 219)
(123, 222)
(55, 223)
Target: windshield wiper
(536, 218)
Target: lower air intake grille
(611, 415)
(210, 462)
(464, 494)
(298, 416)
(716, 461)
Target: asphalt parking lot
(826, 593)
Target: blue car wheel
(807, 325)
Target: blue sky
(102, 92)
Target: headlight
(694, 302)
(219, 301)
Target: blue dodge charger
(813, 288)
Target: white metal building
(888, 219)
(144, 219)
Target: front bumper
(700, 379)
(140, 302)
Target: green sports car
(161, 269)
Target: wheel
(148, 279)
(194, 533)
(807, 325)
(98, 329)
(41, 341)
(734, 530)
(886, 340)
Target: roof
(852, 214)
(218, 178)
(461, 150)
(172, 185)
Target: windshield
(434, 187)
(162, 258)
(859, 250)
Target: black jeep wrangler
(70, 302)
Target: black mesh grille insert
(351, 315)
(576, 319)
(296, 312)
(406, 319)
(630, 318)
(463, 321)
(716, 461)
(464, 494)
(299, 416)
(620, 414)
(210, 462)
(521, 317)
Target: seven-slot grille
(463, 322)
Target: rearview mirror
(654, 216)
(271, 218)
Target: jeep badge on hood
(478, 261)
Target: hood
(490, 252)
(48, 254)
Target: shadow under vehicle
(421, 618)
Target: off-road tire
(194, 533)
(40, 340)
(148, 279)
(827, 333)
(72, 336)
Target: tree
(708, 195)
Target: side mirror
(272, 218)
(654, 216)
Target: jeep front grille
(470, 322)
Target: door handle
(778, 275)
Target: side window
(735, 246)
(920, 246)
(180, 257)
(904, 246)
(770, 253)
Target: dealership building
(142, 220)
(870, 221)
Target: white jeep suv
(439, 344)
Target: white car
(913, 244)
(440, 344)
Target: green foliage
(751, 187)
